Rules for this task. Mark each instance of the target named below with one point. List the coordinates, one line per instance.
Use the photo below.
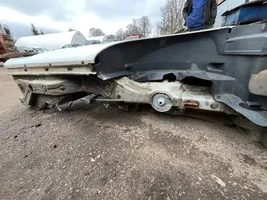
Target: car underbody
(218, 70)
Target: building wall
(224, 6)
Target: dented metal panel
(220, 70)
(73, 56)
(180, 95)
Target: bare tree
(120, 34)
(133, 28)
(144, 26)
(110, 37)
(94, 32)
(141, 26)
(41, 32)
(157, 30)
(171, 17)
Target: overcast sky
(60, 15)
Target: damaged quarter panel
(212, 70)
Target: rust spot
(83, 89)
(191, 104)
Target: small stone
(92, 160)
(218, 180)
(234, 184)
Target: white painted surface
(52, 41)
(70, 56)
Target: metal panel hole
(170, 77)
(252, 107)
(30, 88)
(216, 67)
(196, 82)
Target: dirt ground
(91, 152)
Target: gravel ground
(91, 152)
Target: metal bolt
(214, 106)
